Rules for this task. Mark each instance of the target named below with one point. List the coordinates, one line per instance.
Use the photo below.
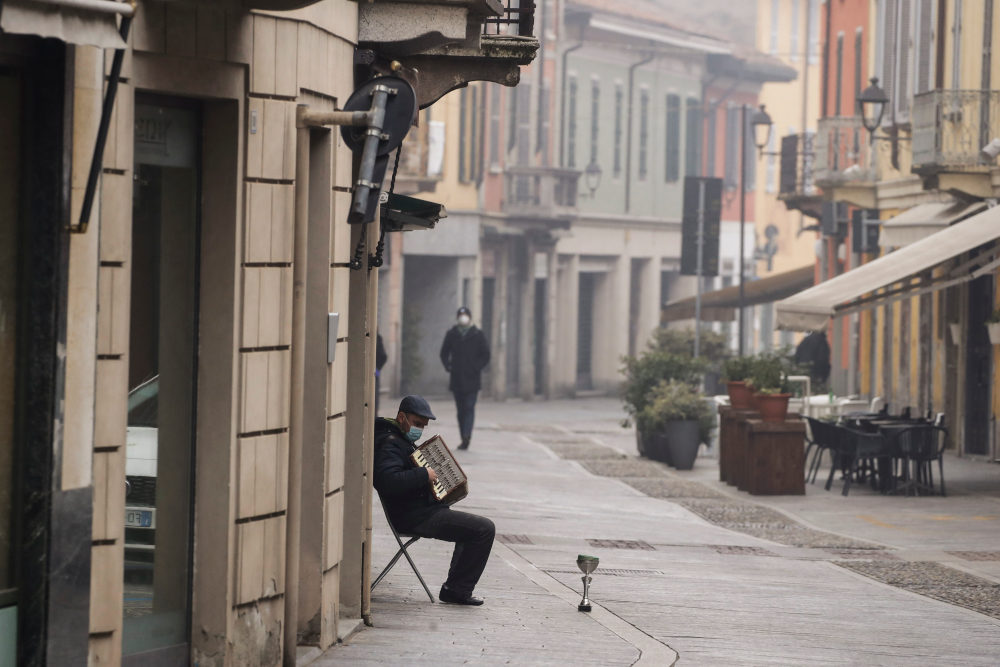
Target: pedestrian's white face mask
(464, 320)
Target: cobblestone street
(690, 568)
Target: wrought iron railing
(843, 152)
(798, 156)
(518, 18)
(951, 126)
(544, 192)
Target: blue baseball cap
(416, 405)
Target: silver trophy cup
(587, 565)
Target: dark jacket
(465, 356)
(402, 485)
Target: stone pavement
(690, 568)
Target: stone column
(526, 350)
(552, 318)
(498, 361)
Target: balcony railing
(540, 192)
(951, 126)
(798, 156)
(843, 152)
(518, 18)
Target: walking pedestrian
(465, 354)
(405, 488)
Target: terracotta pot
(739, 395)
(773, 407)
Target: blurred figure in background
(465, 354)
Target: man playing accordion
(405, 489)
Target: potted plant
(677, 414)
(657, 363)
(770, 385)
(993, 327)
(736, 372)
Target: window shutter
(904, 61)
(619, 102)
(858, 73)
(890, 9)
(732, 173)
(750, 184)
(692, 157)
(673, 166)
(925, 46)
(838, 90)
(595, 116)
(570, 124)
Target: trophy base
(583, 607)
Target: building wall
(249, 70)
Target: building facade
(188, 371)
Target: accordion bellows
(452, 485)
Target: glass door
(162, 375)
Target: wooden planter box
(731, 443)
(774, 463)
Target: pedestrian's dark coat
(401, 483)
(465, 356)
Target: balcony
(541, 194)
(444, 44)
(950, 127)
(797, 186)
(843, 153)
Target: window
(619, 103)
(793, 32)
(692, 153)
(571, 124)
(542, 129)
(894, 24)
(750, 177)
(924, 46)
(711, 116)
(858, 76)
(775, 14)
(771, 176)
(494, 125)
(595, 116)
(813, 35)
(839, 80)
(673, 152)
(643, 134)
(731, 177)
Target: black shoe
(446, 595)
(464, 445)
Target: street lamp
(592, 174)
(871, 104)
(761, 125)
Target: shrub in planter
(678, 414)
(652, 367)
(736, 372)
(769, 379)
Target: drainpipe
(628, 131)
(824, 111)
(562, 105)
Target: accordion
(452, 485)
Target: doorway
(162, 378)
(585, 332)
(978, 370)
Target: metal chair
(918, 447)
(854, 451)
(819, 435)
(401, 552)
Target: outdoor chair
(821, 437)
(918, 447)
(401, 552)
(855, 452)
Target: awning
(721, 305)
(90, 22)
(875, 283)
(923, 220)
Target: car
(141, 442)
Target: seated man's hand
(431, 475)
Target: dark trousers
(465, 405)
(473, 538)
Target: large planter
(657, 448)
(772, 407)
(682, 442)
(640, 440)
(994, 330)
(739, 395)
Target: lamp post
(592, 176)
(761, 125)
(871, 105)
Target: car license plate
(139, 518)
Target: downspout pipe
(562, 104)
(628, 130)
